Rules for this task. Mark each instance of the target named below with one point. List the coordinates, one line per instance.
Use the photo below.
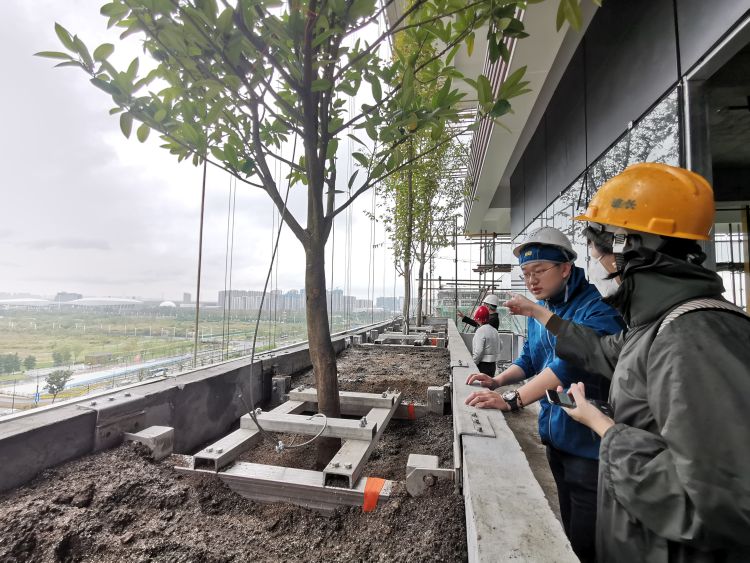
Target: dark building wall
(631, 60)
(566, 128)
(535, 174)
(701, 23)
(633, 53)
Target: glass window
(656, 138)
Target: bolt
(479, 429)
(429, 480)
(258, 411)
(474, 415)
(335, 464)
(127, 394)
(111, 398)
(93, 403)
(384, 395)
(363, 422)
(209, 450)
(219, 450)
(348, 465)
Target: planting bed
(119, 506)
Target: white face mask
(598, 275)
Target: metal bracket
(422, 472)
(473, 423)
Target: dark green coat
(674, 471)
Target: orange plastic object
(373, 486)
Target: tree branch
(372, 181)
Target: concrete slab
(507, 518)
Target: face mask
(598, 275)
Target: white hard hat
(491, 300)
(548, 236)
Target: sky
(83, 209)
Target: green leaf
(377, 90)
(353, 178)
(470, 43)
(142, 132)
(501, 107)
(53, 55)
(103, 51)
(108, 87)
(321, 84)
(333, 146)
(82, 50)
(569, 10)
(484, 90)
(64, 37)
(70, 63)
(354, 138)
(160, 115)
(126, 124)
(361, 158)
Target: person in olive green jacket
(674, 466)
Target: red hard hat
(482, 314)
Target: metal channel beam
(226, 450)
(347, 398)
(268, 483)
(343, 428)
(350, 460)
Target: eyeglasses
(527, 276)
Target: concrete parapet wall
(507, 514)
(200, 405)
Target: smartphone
(562, 399)
(565, 400)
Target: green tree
(61, 357)
(56, 382)
(234, 82)
(422, 199)
(29, 362)
(10, 363)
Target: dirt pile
(119, 506)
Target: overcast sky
(86, 210)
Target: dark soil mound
(119, 506)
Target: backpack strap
(698, 304)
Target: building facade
(645, 80)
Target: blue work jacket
(580, 303)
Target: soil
(120, 506)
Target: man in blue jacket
(546, 259)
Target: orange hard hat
(655, 198)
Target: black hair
(602, 240)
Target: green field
(131, 336)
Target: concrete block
(436, 399)
(374, 333)
(158, 439)
(358, 339)
(420, 460)
(280, 385)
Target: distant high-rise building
(186, 298)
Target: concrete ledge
(200, 405)
(507, 514)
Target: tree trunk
(408, 238)
(420, 283)
(407, 296)
(322, 355)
